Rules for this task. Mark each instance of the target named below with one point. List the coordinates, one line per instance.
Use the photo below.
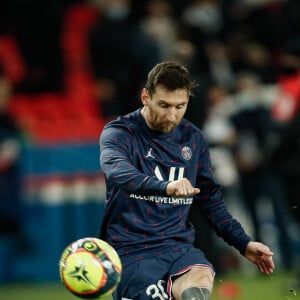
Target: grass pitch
(278, 286)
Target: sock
(196, 293)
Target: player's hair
(171, 75)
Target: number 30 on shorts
(157, 291)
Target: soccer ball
(90, 268)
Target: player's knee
(195, 293)
(206, 280)
(201, 277)
(193, 285)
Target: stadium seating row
(71, 115)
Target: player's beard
(162, 126)
(166, 127)
(156, 124)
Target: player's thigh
(143, 280)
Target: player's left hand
(260, 255)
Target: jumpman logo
(149, 154)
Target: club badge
(186, 153)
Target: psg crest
(186, 153)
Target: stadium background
(46, 55)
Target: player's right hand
(181, 188)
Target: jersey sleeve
(116, 163)
(212, 205)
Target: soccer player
(156, 163)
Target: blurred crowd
(244, 55)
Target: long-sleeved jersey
(138, 164)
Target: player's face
(165, 109)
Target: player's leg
(191, 276)
(195, 284)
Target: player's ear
(145, 96)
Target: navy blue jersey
(138, 163)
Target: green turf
(278, 286)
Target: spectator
(253, 125)
(159, 24)
(286, 116)
(221, 137)
(120, 54)
(204, 16)
(37, 26)
(202, 21)
(9, 164)
(219, 63)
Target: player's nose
(171, 115)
